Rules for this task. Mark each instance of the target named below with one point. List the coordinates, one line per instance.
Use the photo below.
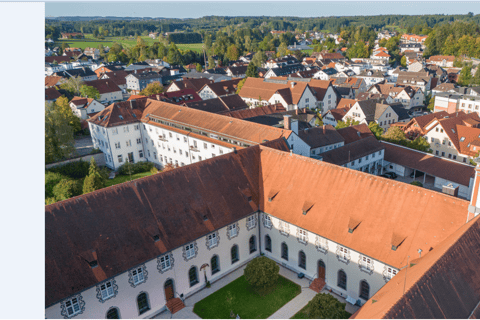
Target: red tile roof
(259, 111)
(51, 81)
(52, 94)
(58, 59)
(355, 133)
(104, 85)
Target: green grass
(246, 303)
(302, 314)
(396, 28)
(309, 52)
(125, 41)
(121, 179)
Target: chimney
(324, 129)
(235, 150)
(286, 122)
(131, 104)
(106, 82)
(293, 84)
(158, 97)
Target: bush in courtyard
(261, 273)
(417, 183)
(94, 180)
(133, 168)
(66, 189)
(51, 179)
(325, 306)
(74, 170)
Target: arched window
(192, 276)
(302, 260)
(113, 314)
(252, 244)
(364, 290)
(342, 280)
(268, 243)
(234, 253)
(284, 251)
(142, 303)
(215, 264)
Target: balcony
(194, 149)
(162, 138)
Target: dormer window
(463, 139)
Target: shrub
(326, 306)
(133, 168)
(74, 170)
(417, 183)
(66, 189)
(94, 180)
(51, 179)
(261, 273)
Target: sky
(196, 9)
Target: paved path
(83, 145)
(295, 305)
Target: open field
(396, 28)
(90, 41)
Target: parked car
(417, 174)
(389, 175)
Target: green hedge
(134, 168)
(74, 170)
(52, 179)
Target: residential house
(52, 81)
(284, 70)
(442, 61)
(85, 108)
(138, 81)
(86, 74)
(371, 111)
(255, 112)
(418, 125)
(69, 35)
(413, 38)
(318, 139)
(51, 94)
(218, 105)
(108, 67)
(94, 53)
(153, 35)
(175, 97)
(325, 74)
(237, 72)
(455, 136)
(333, 116)
(345, 92)
(448, 88)
(108, 90)
(358, 85)
(218, 89)
(290, 93)
(414, 79)
(118, 77)
(415, 47)
(456, 102)
(371, 77)
(187, 83)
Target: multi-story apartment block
(456, 102)
(198, 223)
(139, 81)
(164, 133)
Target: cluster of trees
(465, 77)
(396, 135)
(457, 38)
(185, 37)
(135, 27)
(60, 126)
(152, 88)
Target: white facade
(316, 249)
(206, 93)
(119, 143)
(181, 260)
(164, 146)
(111, 96)
(329, 101)
(83, 113)
(371, 163)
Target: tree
(66, 189)
(261, 273)
(259, 59)
(89, 92)
(326, 306)
(350, 122)
(198, 67)
(282, 50)
(476, 78)
(59, 141)
(152, 88)
(394, 134)
(73, 85)
(251, 70)
(63, 107)
(240, 85)
(140, 42)
(94, 180)
(376, 129)
(403, 61)
(232, 53)
(211, 62)
(465, 76)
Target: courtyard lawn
(244, 302)
(121, 179)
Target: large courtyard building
(136, 249)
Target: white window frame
(343, 253)
(267, 221)
(72, 305)
(190, 251)
(138, 276)
(212, 240)
(251, 222)
(106, 290)
(366, 263)
(165, 262)
(391, 272)
(232, 230)
(302, 235)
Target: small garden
(258, 294)
(323, 306)
(80, 177)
